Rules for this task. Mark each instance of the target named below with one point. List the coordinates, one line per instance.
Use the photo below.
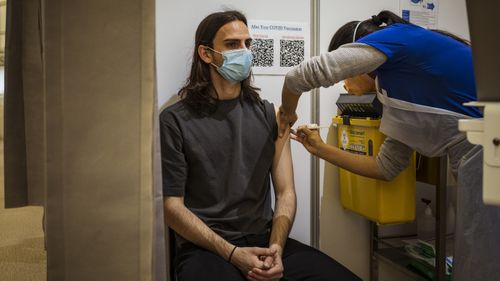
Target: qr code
(263, 52)
(291, 52)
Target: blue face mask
(236, 66)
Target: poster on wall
(420, 12)
(278, 46)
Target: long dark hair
(345, 34)
(196, 92)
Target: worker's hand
(286, 120)
(273, 270)
(248, 258)
(310, 139)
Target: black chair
(173, 248)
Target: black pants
(300, 262)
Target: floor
(22, 253)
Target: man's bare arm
(284, 189)
(189, 226)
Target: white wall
(175, 29)
(453, 17)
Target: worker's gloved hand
(309, 138)
(359, 85)
(273, 267)
(248, 258)
(286, 120)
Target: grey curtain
(81, 134)
(24, 133)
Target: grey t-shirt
(221, 164)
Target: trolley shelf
(396, 258)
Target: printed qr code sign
(291, 52)
(263, 52)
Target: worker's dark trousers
(300, 261)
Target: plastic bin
(385, 202)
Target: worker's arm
(287, 115)
(358, 164)
(324, 71)
(393, 157)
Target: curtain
(81, 134)
(24, 113)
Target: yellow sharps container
(385, 202)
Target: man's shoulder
(269, 106)
(175, 109)
(265, 103)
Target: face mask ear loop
(217, 67)
(355, 30)
(206, 47)
(213, 50)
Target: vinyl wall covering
(81, 109)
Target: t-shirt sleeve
(329, 68)
(271, 118)
(393, 157)
(173, 161)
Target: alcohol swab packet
(314, 126)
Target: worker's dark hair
(345, 34)
(197, 91)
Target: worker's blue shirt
(424, 67)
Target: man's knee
(314, 265)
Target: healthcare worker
(422, 77)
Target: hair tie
(231, 255)
(376, 20)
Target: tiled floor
(22, 254)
